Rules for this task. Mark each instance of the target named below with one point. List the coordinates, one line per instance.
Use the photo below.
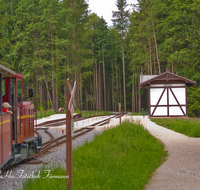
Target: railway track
(59, 122)
(54, 123)
(52, 143)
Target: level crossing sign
(72, 105)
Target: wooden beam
(68, 144)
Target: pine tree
(120, 22)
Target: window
(19, 91)
(13, 93)
(3, 86)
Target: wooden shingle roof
(166, 77)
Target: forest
(49, 41)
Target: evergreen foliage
(49, 41)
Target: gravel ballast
(13, 179)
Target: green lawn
(187, 126)
(122, 158)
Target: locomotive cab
(17, 140)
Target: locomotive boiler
(17, 140)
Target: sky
(105, 7)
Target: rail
(62, 139)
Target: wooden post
(120, 113)
(68, 144)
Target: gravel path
(181, 170)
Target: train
(17, 140)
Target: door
(20, 130)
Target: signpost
(70, 106)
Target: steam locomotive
(17, 141)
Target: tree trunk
(120, 90)
(124, 76)
(172, 61)
(96, 87)
(139, 101)
(37, 87)
(117, 83)
(156, 47)
(150, 55)
(53, 88)
(81, 91)
(136, 97)
(46, 83)
(133, 94)
(90, 90)
(77, 89)
(36, 68)
(41, 94)
(154, 62)
(112, 88)
(92, 94)
(100, 84)
(66, 68)
(58, 86)
(94, 91)
(104, 81)
(108, 98)
(53, 72)
(57, 78)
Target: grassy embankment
(187, 126)
(136, 113)
(121, 158)
(41, 114)
(93, 113)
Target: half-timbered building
(167, 94)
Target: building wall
(168, 100)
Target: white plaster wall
(161, 111)
(173, 110)
(155, 94)
(180, 94)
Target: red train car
(17, 140)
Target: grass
(187, 126)
(94, 113)
(136, 113)
(41, 114)
(121, 158)
(44, 182)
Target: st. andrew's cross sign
(72, 105)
